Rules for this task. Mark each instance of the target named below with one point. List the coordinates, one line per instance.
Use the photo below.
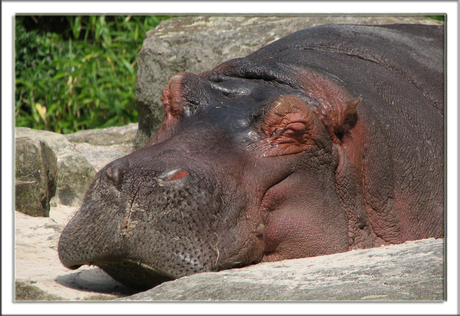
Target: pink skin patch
(175, 175)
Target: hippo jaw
(131, 272)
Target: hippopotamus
(327, 140)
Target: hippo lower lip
(134, 274)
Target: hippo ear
(173, 98)
(176, 104)
(335, 106)
(290, 127)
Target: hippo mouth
(134, 274)
(129, 272)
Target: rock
(101, 146)
(25, 291)
(120, 135)
(74, 172)
(198, 44)
(79, 156)
(35, 176)
(75, 175)
(99, 156)
(412, 271)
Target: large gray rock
(413, 271)
(74, 172)
(198, 44)
(35, 176)
(119, 135)
(79, 156)
(101, 146)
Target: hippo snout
(135, 220)
(116, 170)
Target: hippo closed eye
(327, 140)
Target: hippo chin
(327, 140)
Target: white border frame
(10, 8)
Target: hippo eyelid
(173, 175)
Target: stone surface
(74, 172)
(99, 156)
(412, 271)
(105, 136)
(25, 291)
(101, 146)
(198, 44)
(35, 176)
(79, 156)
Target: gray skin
(327, 140)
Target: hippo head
(242, 170)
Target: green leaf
(128, 66)
(76, 27)
(93, 78)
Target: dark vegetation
(77, 72)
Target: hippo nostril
(174, 175)
(113, 174)
(115, 171)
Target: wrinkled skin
(327, 140)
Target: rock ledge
(412, 271)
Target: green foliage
(79, 75)
(436, 17)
